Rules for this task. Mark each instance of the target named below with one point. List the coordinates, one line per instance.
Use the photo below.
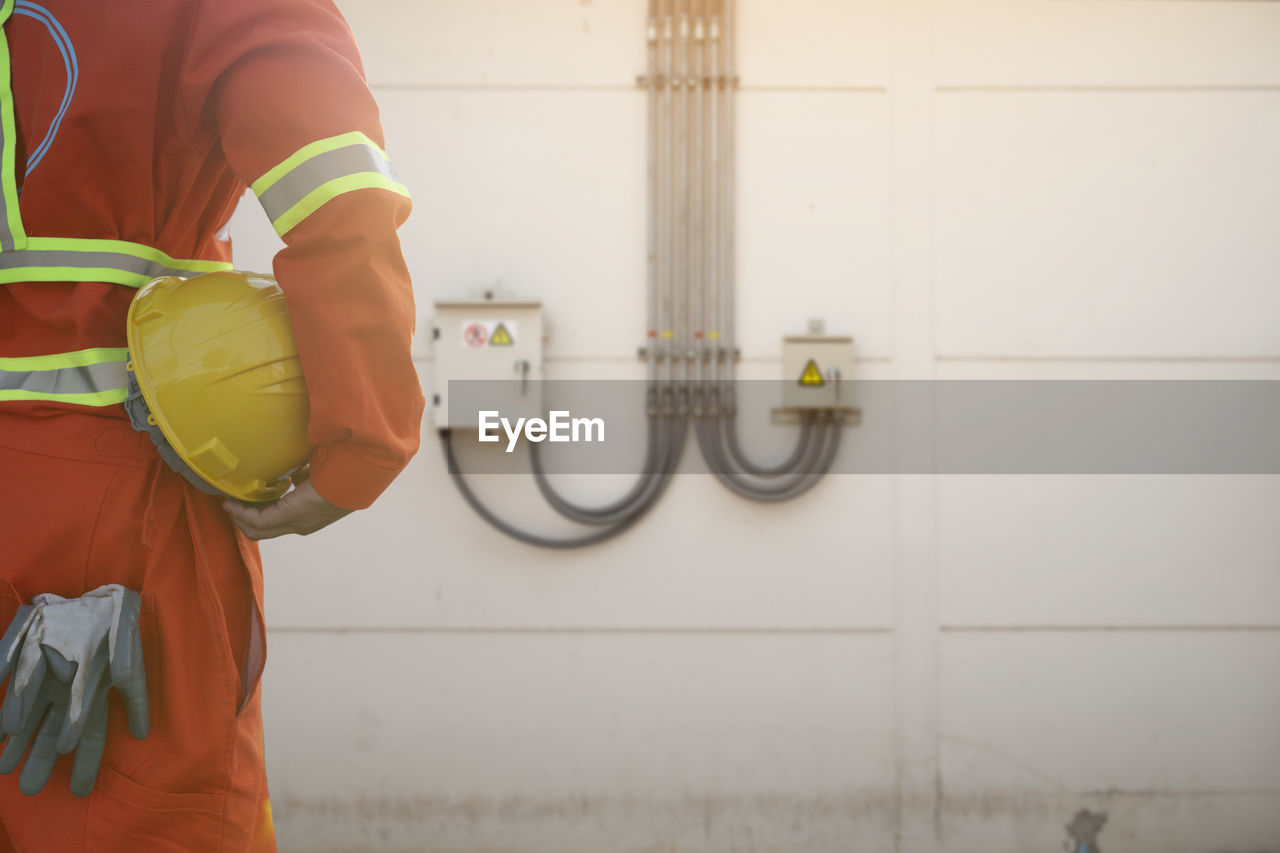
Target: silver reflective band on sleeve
(101, 382)
(318, 171)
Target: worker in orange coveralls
(130, 129)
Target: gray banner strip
(918, 427)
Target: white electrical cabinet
(491, 350)
(813, 367)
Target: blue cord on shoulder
(69, 60)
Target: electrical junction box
(813, 367)
(489, 339)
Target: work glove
(64, 655)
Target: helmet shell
(217, 364)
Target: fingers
(78, 675)
(44, 752)
(255, 522)
(45, 749)
(15, 747)
(16, 715)
(93, 742)
(133, 688)
(128, 670)
(302, 511)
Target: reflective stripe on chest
(91, 377)
(25, 258)
(11, 234)
(88, 377)
(112, 261)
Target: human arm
(277, 87)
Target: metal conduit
(691, 347)
(652, 225)
(818, 440)
(667, 34)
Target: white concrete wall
(972, 188)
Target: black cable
(724, 405)
(802, 483)
(729, 426)
(641, 491)
(672, 460)
(818, 464)
(711, 441)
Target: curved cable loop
(725, 403)
(821, 457)
(711, 442)
(790, 465)
(640, 492)
(672, 460)
(793, 488)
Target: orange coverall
(130, 130)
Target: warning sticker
(812, 376)
(491, 333)
(501, 337)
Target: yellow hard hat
(215, 363)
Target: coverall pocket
(125, 817)
(229, 602)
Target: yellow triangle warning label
(501, 337)
(812, 376)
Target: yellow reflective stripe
(123, 247)
(110, 261)
(78, 358)
(308, 151)
(11, 234)
(18, 275)
(327, 191)
(87, 377)
(101, 398)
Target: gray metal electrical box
(477, 342)
(812, 369)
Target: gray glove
(64, 655)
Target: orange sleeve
(278, 85)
